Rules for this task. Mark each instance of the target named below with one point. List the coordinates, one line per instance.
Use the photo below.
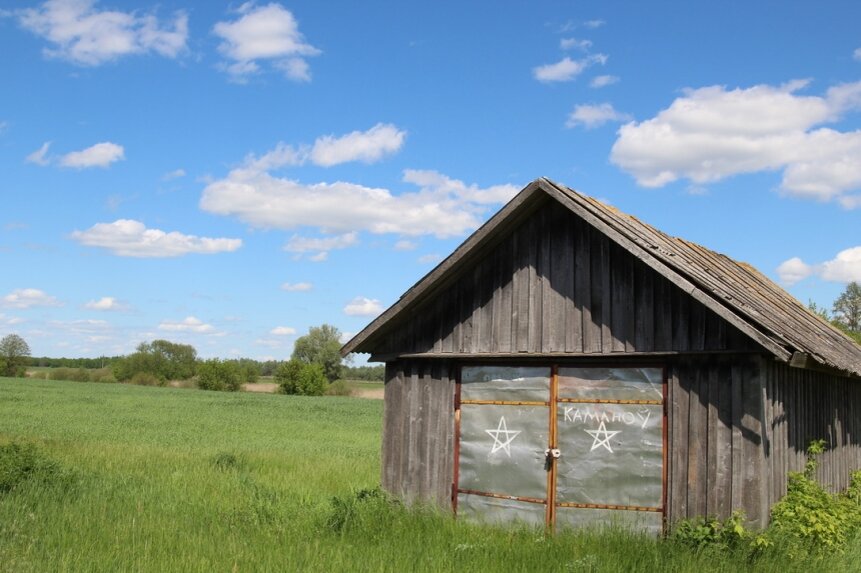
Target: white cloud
(175, 174)
(793, 270)
(603, 81)
(361, 306)
(594, 115)
(188, 324)
(367, 146)
(40, 156)
(857, 54)
(98, 155)
(320, 245)
(319, 257)
(570, 43)
(283, 331)
(593, 23)
(443, 207)
(712, 133)
(129, 238)
(86, 36)
(28, 298)
(264, 33)
(566, 69)
(6, 320)
(297, 287)
(843, 268)
(106, 303)
(404, 245)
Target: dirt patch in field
(264, 387)
(372, 393)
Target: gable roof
(735, 291)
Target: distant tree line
(845, 313)
(314, 367)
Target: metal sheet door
(610, 424)
(503, 435)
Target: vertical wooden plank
(681, 400)
(390, 438)
(620, 288)
(644, 329)
(737, 502)
(544, 274)
(606, 294)
(712, 467)
(767, 425)
(681, 321)
(697, 327)
(521, 291)
(506, 266)
(724, 441)
(535, 285)
(446, 423)
(564, 314)
(497, 279)
(663, 314)
(697, 441)
(583, 285)
(412, 430)
(467, 305)
(752, 441)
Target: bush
(161, 358)
(709, 531)
(215, 374)
(146, 379)
(339, 388)
(299, 378)
(104, 375)
(21, 463)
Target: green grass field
(129, 478)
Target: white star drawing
(505, 444)
(605, 441)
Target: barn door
(610, 434)
(564, 446)
(504, 432)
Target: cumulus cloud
(6, 320)
(297, 287)
(361, 306)
(593, 24)
(188, 324)
(603, 81)
(366, 146)
(106, 303)
(28, 298)
(594, 115)
(712, 133)
(283, 331)
(264, 33)
(843, 268)
(40, 156)
(571, 43)
(86, 36)
(566, 69)
(98, 155)
(129, 238)
(442, 206)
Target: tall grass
(131, 478)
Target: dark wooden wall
(716, 457)
(555, 285)
(418, 431)
(802, 406)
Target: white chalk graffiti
(605, 441)
(500, 444)
(572, 414)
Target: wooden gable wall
(557, 285)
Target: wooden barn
(569, 364)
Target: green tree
(847, 308)
(322, 345)
(296, 377)
(215, 374)
(14, 352)
(161, 358)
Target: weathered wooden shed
(570, 364)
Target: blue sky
(228, 175)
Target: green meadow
(110, 477)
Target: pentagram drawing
(502, 437)
(602, 441)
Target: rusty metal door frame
(553, 445)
